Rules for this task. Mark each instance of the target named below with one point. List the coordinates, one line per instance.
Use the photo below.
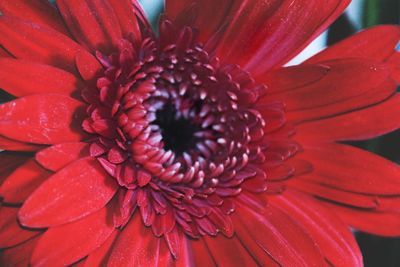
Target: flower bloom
(193, 146)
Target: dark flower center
(176, 129)
(179, 131)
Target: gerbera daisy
(192, 146)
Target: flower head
(193, 145)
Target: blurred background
(377, 251)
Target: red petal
(22, 182)
(164, 223)
(207, 15)
(27, 40)
(147, 212)
(257, 34)
(140, 14)
(9, 161)
(274, 117)
(352, 169)
(174, 242)
(201, 254)
(13, 145)
(127, 251)
(117, 155)
(308, 185)
(11, 232)
(79, 189)
(185, 254)
(88, 66)
(387, 203)
(257, 252)
(4, 53)
(165, 257)
(58, 156)
(364, 44)
(370, 97)
(348, 85)
(280, 172)
(288, 31)
(256, 184)
(63, 245)
(290, 78)
(229, 251)
(42, 119)
(374, 222)
(279, 235)
(97, 257)
(37, 11)
(93, 23)
(332, 235)
(127, 17)
(358, 125)
(394, 64)
(80, 263)
(18, 256)
(222, 221)
(20, 78)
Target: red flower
(193, 146)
